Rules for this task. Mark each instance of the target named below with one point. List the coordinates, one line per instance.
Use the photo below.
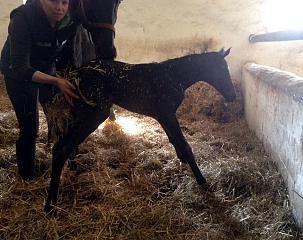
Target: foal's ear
(224, 53)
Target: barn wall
(224, 23)
(178, 24)
(6, 6)
(273, 102)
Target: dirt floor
(133, 187)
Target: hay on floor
(132, 185)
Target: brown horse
(155, 90)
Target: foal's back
(146, 88)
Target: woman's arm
(65, 86)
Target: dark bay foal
(153, 89)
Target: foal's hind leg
(112, 115)
(171, 126)
(62, 149)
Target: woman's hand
(65, 86)
(67, 89)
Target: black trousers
(24, 97)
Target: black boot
(25, 154)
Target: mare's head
(99, 17)
(217, 74)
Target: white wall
(6, 6)
(228, 23)
(273, 103)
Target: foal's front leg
(171, 126)
(62, 149)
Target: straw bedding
(132, 186)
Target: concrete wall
(273, 103)
(6, 6)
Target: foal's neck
(188, 70)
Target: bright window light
(128, 124)
(281, 15)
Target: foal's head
(217, 74)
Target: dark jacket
(32, 43)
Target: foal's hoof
(206, 186)
(50, 210)
(202, 182)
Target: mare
(154, 89)
(95, 32)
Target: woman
(36, 34)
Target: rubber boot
(25, 154)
